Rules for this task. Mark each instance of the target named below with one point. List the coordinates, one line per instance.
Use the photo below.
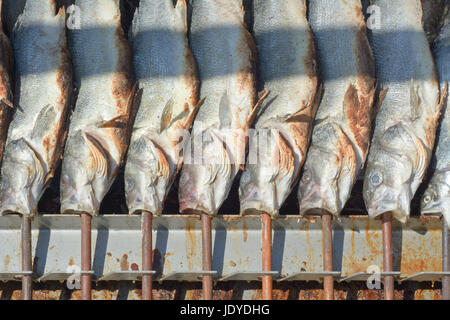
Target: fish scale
(37, 132)
(6, 95)
(408, 113)
(100, 125)
(436, 199)
(341, 133)
(167, 75)
(226, 55)
(287, 68)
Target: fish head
(387, 184)
(22, 178)
(204, 184)
(147, 177)
(329, 170)
(318, 184)
(83, 182)
(268, 177)
(436, 199)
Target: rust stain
(6, 261)
(134, 267)
(190, 242)
(244, 230)
(124, 265)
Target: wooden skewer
(266, 226)
(146, 225)
(207, 256)
(387, 256)
(86, 284)
(27, 265)
(327, 233)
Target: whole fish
(226, 57)
(406, 124)
(341, 134)
(44, 85)
(100, 126)
(167, 73)
(287, 67)
(6, 96)
(436, 199)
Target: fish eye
(427, 198)
(376, 178)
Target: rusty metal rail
(236, 248)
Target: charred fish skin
(341, 134)
(406, 124)
(44, 85)
(226, 57)
(167, 75)
(6, 95)
(100, 126)
(436, 199)
(287, 67)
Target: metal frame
(236, 248)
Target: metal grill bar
(236, 246)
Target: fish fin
(7, 103)
(37, 160)
(193, 114)
(163, 168)
(224, 111)
(44, 122)
(116, 122)
(444, 96)
(262, 96)
(285, 156)
(181, 9)
(223, 166)
(415, 100)
(166, 116)
(99, 154)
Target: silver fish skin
(341, 134)
(406, 124)
(167, 75)
(100, 126)
(6, 94)
(37, 132)
(226, 57)
(287, 67)
(436, 199)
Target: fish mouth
(137, 203)
(257, 207)
(314, 202)
(16, 203)
(79, 201)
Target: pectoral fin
(262, 96)
(39, 162)
(7, 103)
(99, 154)
(119, 122)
